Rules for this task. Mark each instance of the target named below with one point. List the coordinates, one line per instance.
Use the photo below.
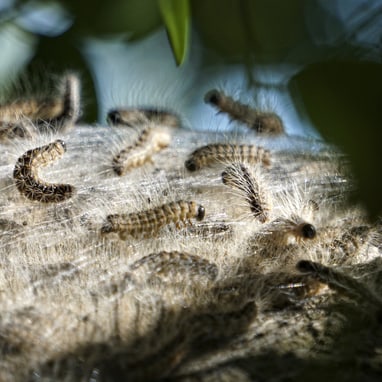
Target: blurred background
(316, 63)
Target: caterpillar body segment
(147, 223)
(70, 103)
(262, 122)
(216, 153)
(24, 118)
(138, 116)
(150, 141)
(32, 109)
(27, 179)
(174, 262)
(240, 177)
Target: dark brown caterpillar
(261, 122)
(26, 176)
(147, 223)
(134, 117)
(339, 281)
(239, 176)
(150, 141)
(172, 262)
(214, 153)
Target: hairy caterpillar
(261, 122)
(134, 117)
(150, 140)
(166, 262)
(213, 153)
(239, 176)
(22, 118)
(70, 101)
(339, 281)
(280, 239)
(148, 223)
(60, 276)
(26, 176)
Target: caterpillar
(339, 281)
(150, 141)
(26, 176)
(32, 109)
(220, 152)
(70, 103)
(262, 122)
(166, 262)
(239, 176)
(149, 222)
(295, 226)
(133, 117)
(24, 117)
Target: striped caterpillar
(219, 152)
(133, 117)
(238, 176)
(261, 122)
(170, 262)
(150, 140)
(148, 223)
(26, 176)
(20, 118)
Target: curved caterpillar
(150, 141)
(261, 122)
(219, 152)
(20, 118)
(26, 176)
(149, 222)
(238, 176)
(133, 117)
(70, 103)
(166, 262)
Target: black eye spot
(212, 97)
(308, 231)
(113, 117)
(190, 165)
(201, 213)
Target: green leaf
(138, 18)
(343, 99)
(176, 17)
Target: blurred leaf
(270, 30)
(176, 16)
(100, 18)
(344, 101)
